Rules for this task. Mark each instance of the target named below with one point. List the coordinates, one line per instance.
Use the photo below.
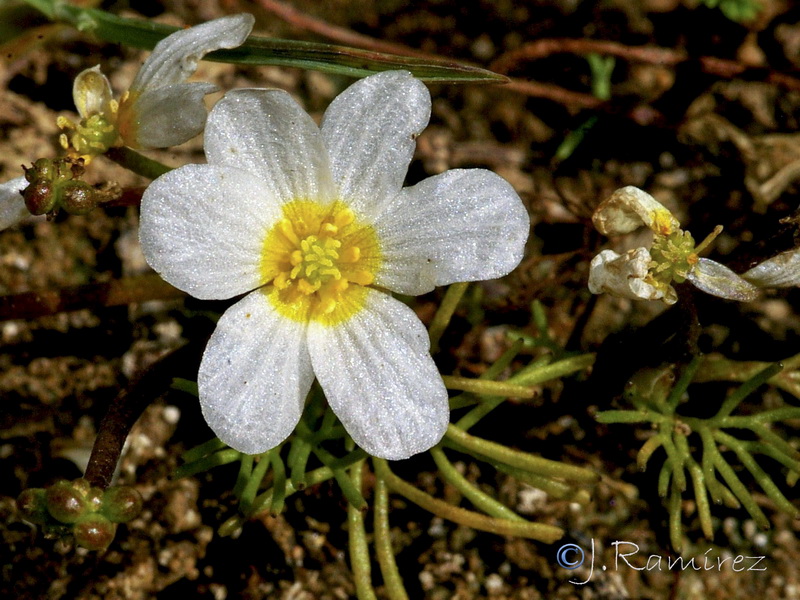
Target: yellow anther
(305, 255)
(327, 306)
(329, 229)
(281, 281)
(350, 255)
(307, 288)
(361, 277)
(344, 217)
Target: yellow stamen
(317, 271)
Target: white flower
(160, 109)
(647, 274)
(312, 223)
(626, 276)
(12, 205)
(628, 208)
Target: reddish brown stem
(645, 54)
(342, 35)
(642, 115)
(30, 305)
(128, 407)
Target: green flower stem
(719, 493)
(738, 488)
(770, 437)
(351, 493)
(717, 368)
(501, 364)
(522, 460)
(680, 387)
(325, 429)
(489, 403)
(764, 480)
(478, 498)
(554, 488)
(773, 453)
(217, 459)
(484, 387)
(646, 451)
(278, 482)
(535, 531)
(203, 449)
(138, 163)
(245, 473)
(251, 487)
(674, 508)
(744, 390)
(298, 460)
(664, 478)
(359, 549)
(314, 477)
(534, 374)
(676, 457)
(392, 580)
(768, 416)
(701, 498)
(631, 416)
(445, 312)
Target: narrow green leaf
(338, 60)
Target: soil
(712, 145)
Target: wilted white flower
(160, 109)
(626, 275)
(12, 205)
(648, 274)
(313, 225)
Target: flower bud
(77, 197)
(94, 532)
(121, 504)
(65, 502)
(40, 197)
(32, 505)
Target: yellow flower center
(319, 259)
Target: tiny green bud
(33, 506)
(121, 504)
(65, 502)
(94, 532)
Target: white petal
(782, 270)
(629, 208)
(624, 276)
(91, 93)
(370, 131)
(168, 116)
(380, 379)
(718, 280)
(254, 376)
(268, 134)
(12, 205)
(174, 59)
(203, 229)
(462, 225)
